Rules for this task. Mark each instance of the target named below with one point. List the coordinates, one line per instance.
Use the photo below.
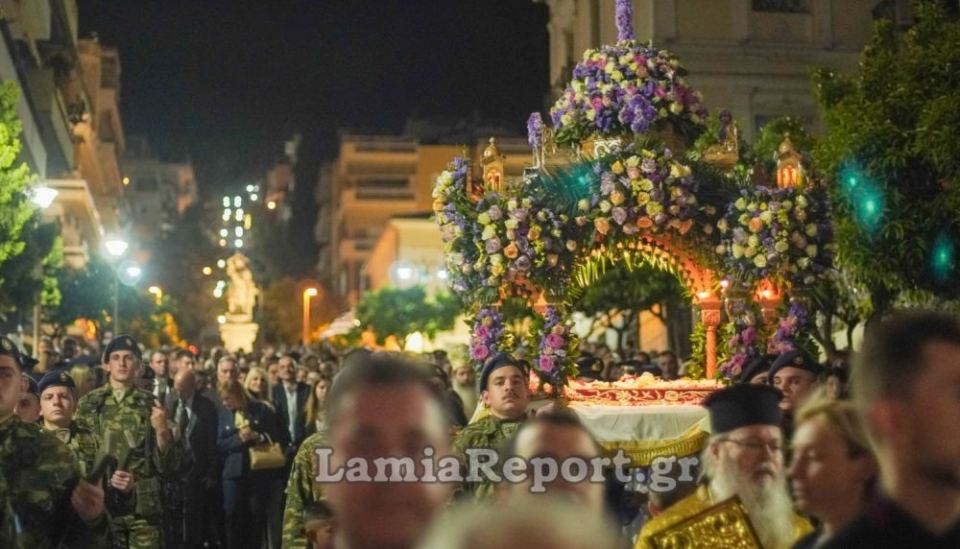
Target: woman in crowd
(833, 468)
(257, 385)
(316, 402)
(244, 423)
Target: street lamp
(116, 247)
(157, 293)
(43, 196)
(307, 294)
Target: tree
(893, 160)
(282, 310)
(31, 276)
(623, 292)
(15, 208)
(400, 312)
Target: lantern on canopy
(790, 172)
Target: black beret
(795, 359)
(497, 361)
(56, 378)
(31, 385)
(743, 405)
(756, 366)
(83, 360)
(10, 349)
(122, 343)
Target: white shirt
(291, 409)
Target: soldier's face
(28, 408)
(57, 405)
(796, 384)
(11, 386)
(507, 394)
(123, 367)
(379, 422)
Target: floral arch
(631, 165)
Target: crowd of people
(167, 448)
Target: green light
(943, 258)
(870, 206)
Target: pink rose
(479, 352)
(482, 332)
(546, 364)
(555, 341)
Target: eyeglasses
(757, 446)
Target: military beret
(122, 343)
(743, 405)
(756, 366)
(794, 359)
(497, 361)
(56, 378)
(31, 385)
(10, 349)
(83, 360)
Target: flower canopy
(654, 192)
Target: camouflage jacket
(487, 432)
(81, 442)
(100, 412)
(301, 492)
(37, 480)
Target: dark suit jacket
(279, 397)
(201, 435)
(234, 451)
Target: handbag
(267, 455)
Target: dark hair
(892, 354)
(182, 353)
(318, 510)
(377, 370)
(561, 417)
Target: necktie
(182, 417)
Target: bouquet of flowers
(776, 233)
(557, 349)
(486, 335)
(623, 90)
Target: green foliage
(15, 208)
(402, 311)
(892, 152)
(32, 274)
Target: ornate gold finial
(790, 172)
(493, 169)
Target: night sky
(227, 82)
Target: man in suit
(290, 398)
(196, 418)
(159, 364)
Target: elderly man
(464, 384)
(505, 394)
(744, 458)
(906, 383)
(120, 407)
(44, 503)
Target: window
(782, 6)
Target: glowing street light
(272, 205)
(43, 196)
(307, 294)
(221, 319)
(207, 271)
(157, 293)
(116, 247)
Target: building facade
(752, 57)
(157, 192)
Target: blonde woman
(833, 468)
(257, 384)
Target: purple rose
(482, 332)
(555, 341)
(492, 246)
(648, 165)
(546, 364)
(523, 263)
(619, 215)
(495, 213)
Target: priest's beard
(768, 504)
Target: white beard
(769, 507)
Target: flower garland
(486, 335)
(623, 90)
(788, 329)
(779, 233)
(557, 347)
(742, 346)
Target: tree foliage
(400, 312)
(15, 208)
(893, 158)
(622, 292)
(32, 275)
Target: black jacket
(263, 420)
(279, 398)
(201, 435)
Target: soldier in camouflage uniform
(58, 404)
(302, 491)
(504, 392)
(131, 415)
(44, 503)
